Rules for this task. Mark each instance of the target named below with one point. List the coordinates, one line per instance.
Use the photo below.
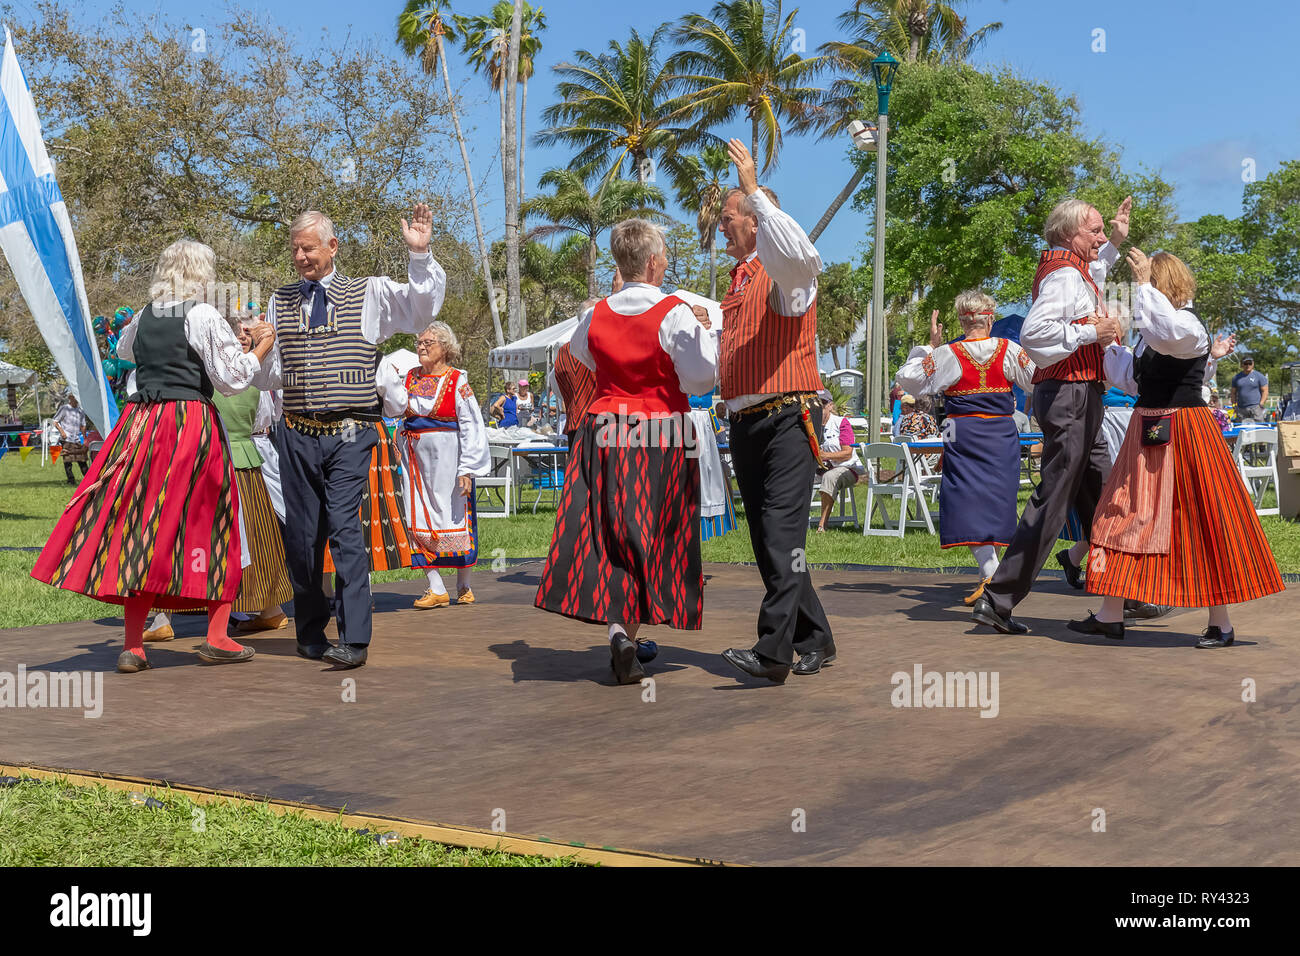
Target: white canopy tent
(535, 349)
(11, 376)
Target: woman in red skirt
(626, 547)
(1175, 525)
(154, 522)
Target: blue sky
(1187, 87)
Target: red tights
(137, 613)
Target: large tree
(618, 109)
(421, 27)
(572, 209)
(740, 59)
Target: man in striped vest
(327, 327)
(767, 369)
(1064, 333)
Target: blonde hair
(316, 221)
(633, 243)
(1171, 276)
(1065, 219)
(185, 270)
(972, 302)
(447, 341)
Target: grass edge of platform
(448, 834)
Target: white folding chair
(502, 478)
(908, 491)
(843, 509)
(49, 434)
(1262, 443)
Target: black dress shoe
(622, 657)
(346, 655)
(985, 613)
(314, 652)
(1073, 572)
(1142, 611)
(756, 665)
(1090, 625)
(814, 661)
(1216, 637)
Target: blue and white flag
(36, 237)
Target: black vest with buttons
(1168, 382)
(168, 369)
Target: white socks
(1219, 618)
(436, 584)
(1079, 551)
(163, 619)
(1112, 610)
(986, 556)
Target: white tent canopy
(13, 375)
(535, 349)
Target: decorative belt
(773, 405)
(316, 428)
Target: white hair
(1065, 219)
(446, 340)
(185, 270)
(314, 220)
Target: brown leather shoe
(131, 663)
(432, 600)
(465, 596)
(975, 595)
(164, 633)
(217, 655)
(275, 623)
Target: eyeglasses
(426, 343)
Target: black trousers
(1075, 466)
(774, 469)
(323, 480)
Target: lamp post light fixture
(883, 69)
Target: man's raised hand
(1119, 225)
(745, 168)
(936, 333)
(418, 231)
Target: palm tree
(572, 209)
(739, 57)
(420, 29)
(700, 185)
(552, 277)
(621, 103)
(484, 40)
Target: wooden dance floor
(463, 712)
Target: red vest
(1085, 363)
(634, 375)
(441, 388)
(976, 378)
(577, 385)
(764, 352)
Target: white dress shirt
(388, 308)
(1049, 334)
(231, 368)
(692, 348)
(1177, 333)
(791, 262)
(948, 369)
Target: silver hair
(633, 243)
(446, 340)
(314, 220)
(1065, 219)
(745, 207)
(970, 303)
(185, 270)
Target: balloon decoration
(116, 370)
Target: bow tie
(313, 291)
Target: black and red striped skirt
(155, 514)
(626, 545)
(1212, 550)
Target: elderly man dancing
(1064, 334)
(768, 371)
(327, 328)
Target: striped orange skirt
(383, 514)
(1191, 537)
(265, 582)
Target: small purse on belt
(1156, 429)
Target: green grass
(51, 823)
(31, 499)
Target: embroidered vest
(577, 385)
(330, 368)
(764, 352)
(1085, 363)
(442, 389)
(983, 388)
(634, 375)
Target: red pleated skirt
(1217, 552)
(156, 513)
(626, 545)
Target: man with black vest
(767, 369)
(328, 327)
